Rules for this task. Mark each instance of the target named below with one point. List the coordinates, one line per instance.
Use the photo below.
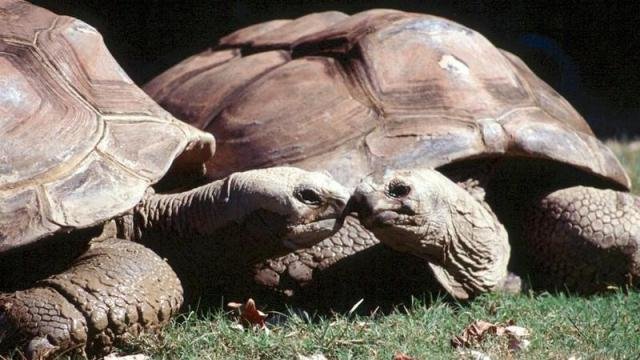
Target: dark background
(589, 51)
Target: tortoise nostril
(398, 190)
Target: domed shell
(80, 142)
(379, 89)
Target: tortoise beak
(339, 204)
(362, 201)
(348, 209)
(357, 204)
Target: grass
(561, 326)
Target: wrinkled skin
(424, 213)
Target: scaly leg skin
(116, 289)
(295, 270)
(584, 239)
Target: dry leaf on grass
(402, 356)
(249, 315)
(312, 357)
(127, 357)
(517, 335)
(472, 334)
(516, 331)
(476, 331)
(518, 344)
(476, 355)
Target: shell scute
(310, 89)
(36, 106)
(59, 168)
(430, 92)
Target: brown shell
(80, 142)
(378, 89)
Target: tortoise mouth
(409, 239)
(301, 236)
(401, 232)
(388, 218)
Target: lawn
(561, 326)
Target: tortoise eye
(309, 197)
(398, 189)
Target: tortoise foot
(43, 320)
(115, 290)
(585, 239)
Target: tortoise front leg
(584, 238)
(117, 288)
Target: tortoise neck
(196, 212)
(479, 256)
(476, 250)
(197, 230)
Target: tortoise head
(300, 207)
(422, 212)
(408, 210)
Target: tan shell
(80, 142)
(375, 90)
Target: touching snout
(379, 204)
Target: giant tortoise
(80, 148)
(385, 90)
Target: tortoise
(501, 160)
(82, 147)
